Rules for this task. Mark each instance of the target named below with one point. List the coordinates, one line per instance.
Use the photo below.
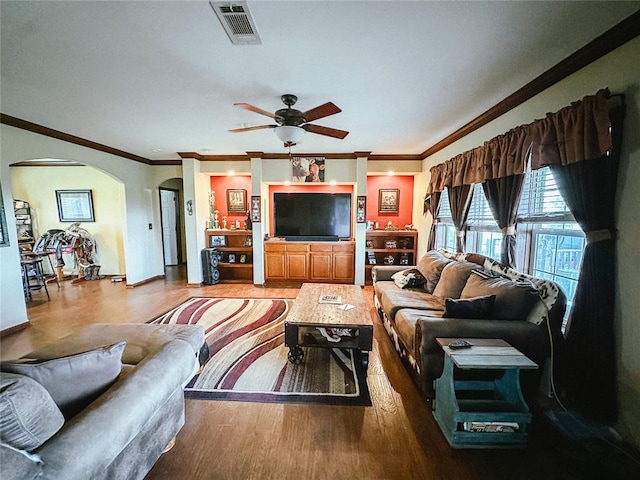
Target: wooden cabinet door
(343, 266)
(321, 266)
(296, 266)
(274, 262)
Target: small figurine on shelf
(224, 222)
(212, 208)
(216, 222)
(247, 223)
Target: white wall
(620, 72)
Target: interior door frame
(178, 220)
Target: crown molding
(613, 38)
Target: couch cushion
(393, 298)
(28, 415)
(405, 325)
(409, 278)
(76, 380)
(431, 266)
(478, 307)
(514, 300)
(453, 278)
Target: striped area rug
(248, 358)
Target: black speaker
(210, 260)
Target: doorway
(170, 219)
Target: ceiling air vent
(237, 22)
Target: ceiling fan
(292, 124)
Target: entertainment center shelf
(236, 264)
(390, 247)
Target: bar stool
(32, 271)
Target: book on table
(328, 298)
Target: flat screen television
(308, 216)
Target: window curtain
(460, 201)
(432, 205)
(503, 195)
(589, 190)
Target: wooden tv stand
(305, 262)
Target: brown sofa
(465, 295)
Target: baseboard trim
(148, 280)
(14, 329)
(194, 285)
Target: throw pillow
(28, 415)
(409, 278)
(514, 300)
(74, 381)
(431, 265)
(479, 307)
(453, 278)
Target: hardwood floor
(396, 438)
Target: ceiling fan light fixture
(289, 135)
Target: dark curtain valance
(575, 133)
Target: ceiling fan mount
(290, 117)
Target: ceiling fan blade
(248, 129)
(251, 108)
(321, 111)
(329, 132)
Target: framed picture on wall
(236, 200)
(255, 209)
(75, 205)
(361, 211)
(388, 200)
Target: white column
(196, 187)
(258, 227)
(361, 228)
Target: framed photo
(217, 241)
(236, 200)
(388, 200)
(75, 205)
(255, 209)
(361, 210)
(307, 169)
(232, 258)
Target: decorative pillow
(28, 415)
(431, 265)
(453, 278)
(479, 307)
(514, 300)
(74, 381)
(409, 278)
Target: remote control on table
(459, 344)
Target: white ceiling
(155, 78)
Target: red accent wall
(220, 184)
(293, 188)
(405, 212)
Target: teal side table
(463, 407)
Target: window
(550, 242)
(555, 238)
(483, 234)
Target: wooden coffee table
(308, 314)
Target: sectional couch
(103, 403)
(470, 296)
